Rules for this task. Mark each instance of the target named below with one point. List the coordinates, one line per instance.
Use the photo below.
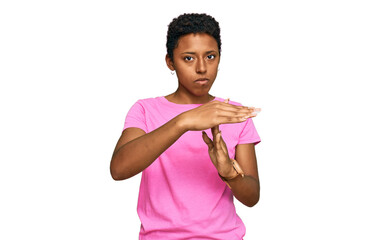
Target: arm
(136, 150)
(246, 189)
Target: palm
(218, 151)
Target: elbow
(253, 200)
(118, 169)
(252, 203)
(116, 173)
(116, 176)
(254, 196)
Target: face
(196, 60)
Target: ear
(169, 63)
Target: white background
(70, 70)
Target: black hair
(191, 23)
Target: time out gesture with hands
(130, 157)
(211, 115)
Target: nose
(201, 66)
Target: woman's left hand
(219, 153)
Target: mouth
(202, 81)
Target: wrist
(228, 172)
(236, 172)
(180, 123)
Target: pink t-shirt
(181, 195)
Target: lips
(202, 81)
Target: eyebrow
(211, 51)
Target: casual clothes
(181, 195)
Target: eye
(188, 58)
(211, 57)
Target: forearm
(246, 189)
(136, 155)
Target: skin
(195, 57)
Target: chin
(202, 92)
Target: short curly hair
(191, 23)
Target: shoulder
(145, 102)
(148, 100)
(152, 105)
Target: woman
(195, 151)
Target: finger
(232, 110)
(215, 131)
(230, 107)
(223, 144)
(226, 105)
(207, 140)
(217, 144)
(257, 110)
(229, 119)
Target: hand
(215, 113)
(218, 153)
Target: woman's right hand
(214, 113)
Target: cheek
(214, 68)
(184, 77)
(185, 70)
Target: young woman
(195, 151)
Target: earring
(172, 72)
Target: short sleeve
(136, 117)
(249, 133)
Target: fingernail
(257, 110)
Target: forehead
(196, 42)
